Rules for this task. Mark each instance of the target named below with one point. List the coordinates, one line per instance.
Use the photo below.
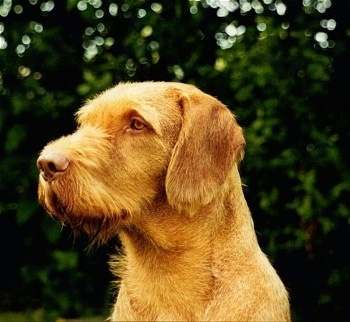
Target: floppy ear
(209, 144)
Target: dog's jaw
(99, 228)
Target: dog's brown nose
(52, 163)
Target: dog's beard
(99, 227)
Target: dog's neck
(164, 229)
(187, 250)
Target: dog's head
(137, 144)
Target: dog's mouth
(98, 227)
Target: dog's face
(134, 144)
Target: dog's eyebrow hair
(152, 118)
(131, 114)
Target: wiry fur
(172, 192)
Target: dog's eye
(136, 125)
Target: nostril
(51, 163)
(52, 167)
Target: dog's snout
(50, 164)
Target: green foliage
(282, 68)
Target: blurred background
(281, 66)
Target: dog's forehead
(155, 102)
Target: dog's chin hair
(99, 228)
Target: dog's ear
(209, 144)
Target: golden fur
(156, 163)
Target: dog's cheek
(141, 160)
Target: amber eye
(136, 124)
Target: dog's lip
(45, 177)
(48, 181)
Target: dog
(156, 163)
